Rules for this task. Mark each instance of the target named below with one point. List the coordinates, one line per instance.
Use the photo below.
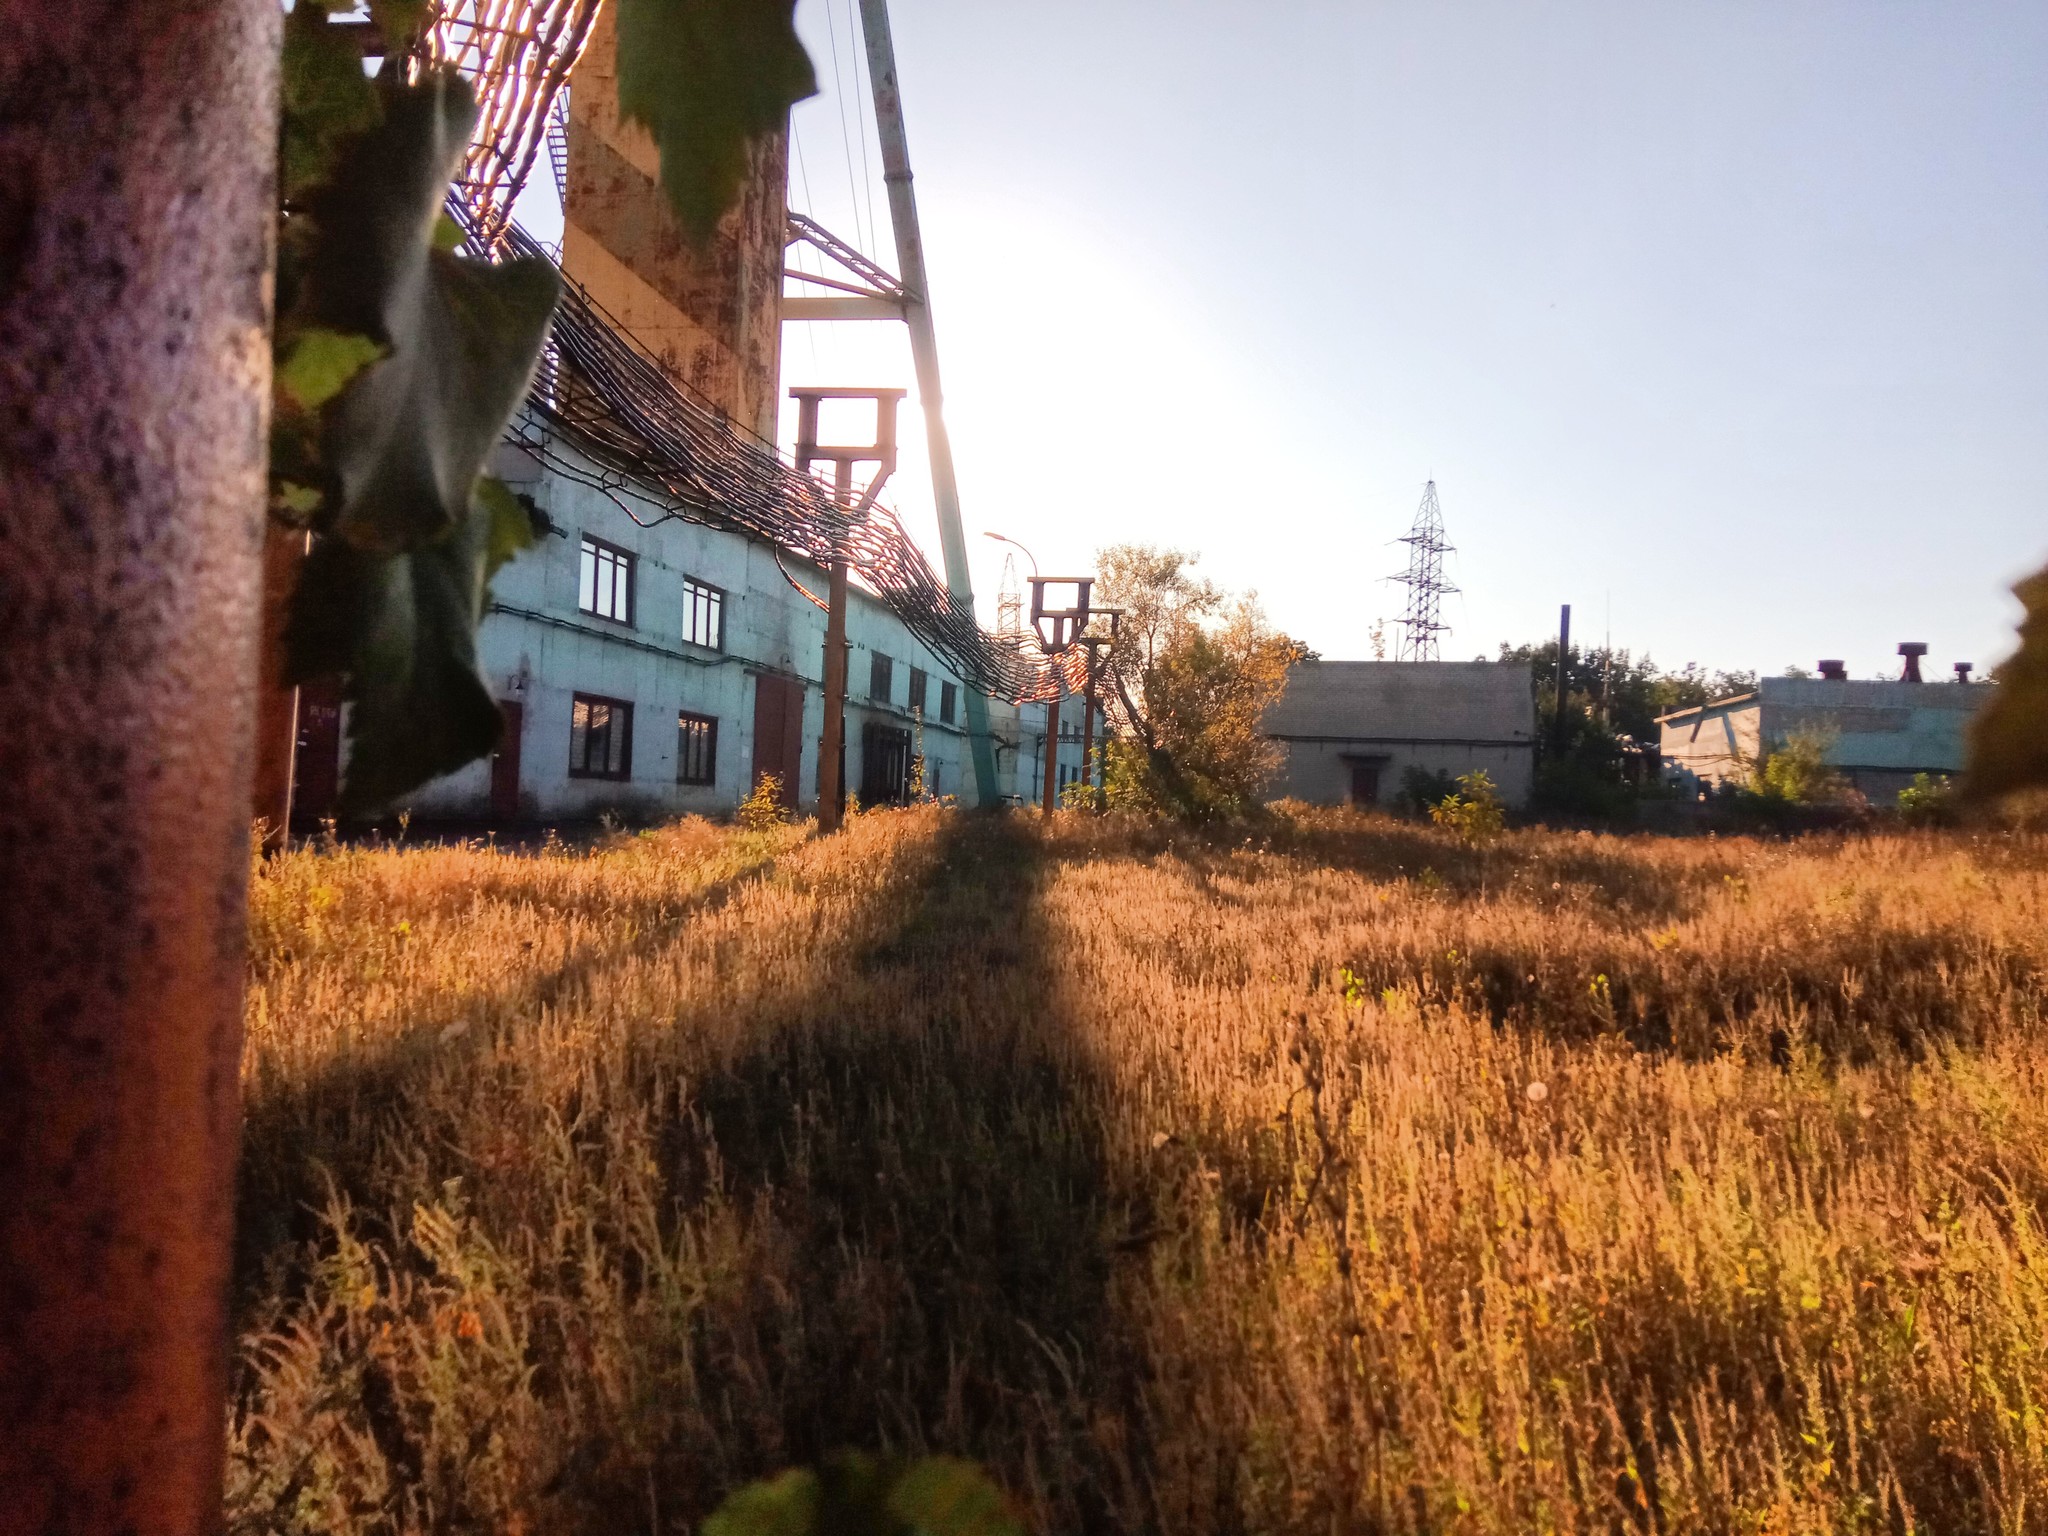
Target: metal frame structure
(516, 55)
(1425, 581)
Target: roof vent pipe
(1835, 671)
(1912, 650)
(1963, 670)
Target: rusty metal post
(136, 212)
(277, 708)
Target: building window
(605, 584)
(600, 738)
(703, 613)
(881, 677)
(948, 698)
(696, 749)
(917, 687)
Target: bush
(1797, 773)
(763, 809)
(1423, 789)
(1929, 801)
(1475, 812)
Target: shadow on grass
(303, 1137)
(932, 1153)
(883, 1185)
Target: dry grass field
(1345, 1179)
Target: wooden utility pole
(1052, 745)
(138, 203)
(924, 354)
(881, 453)
(1564, 653)
(832, 742)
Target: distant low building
(1876, 734)
(1352, 730)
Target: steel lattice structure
(1424, 579)
(516, 55)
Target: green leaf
(855, 1494)
(398, 22)
(320, 362)
(325, 98)
(945, 1496)
(707, 78)
(2009, 736)
(403, 443)
(787, 1505)
(402, 629)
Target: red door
(316, 761)
(779, 733)
(505, 763)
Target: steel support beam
(924, 352)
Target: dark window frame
(597, 549)
(920, 688)
(685, 719)
(621, 710)
(881, 677)
(699, 594)
(949, 696)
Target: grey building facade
(1877, 735)
(1350, 730)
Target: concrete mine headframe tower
(1425, 581)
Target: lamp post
(1004, 538)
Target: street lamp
(1004, 538)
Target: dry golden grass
(1345, 1179)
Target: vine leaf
(325, 98)
(400, 362)
(945, 1496)
(854, 1494)
(2009, 736)
(404, 442)
(402, 627)
(706, 78)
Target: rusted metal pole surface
(136, 207)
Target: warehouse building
(1877, 734)
(1352, 731)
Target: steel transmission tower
(1424, 579)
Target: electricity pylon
(1424, 579)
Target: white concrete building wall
(538, 649)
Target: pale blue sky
(1733, 316)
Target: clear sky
(1726, 317)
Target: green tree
(1190, 676)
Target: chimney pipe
(1912, 650)
(1835, 671)
(1963, 669)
